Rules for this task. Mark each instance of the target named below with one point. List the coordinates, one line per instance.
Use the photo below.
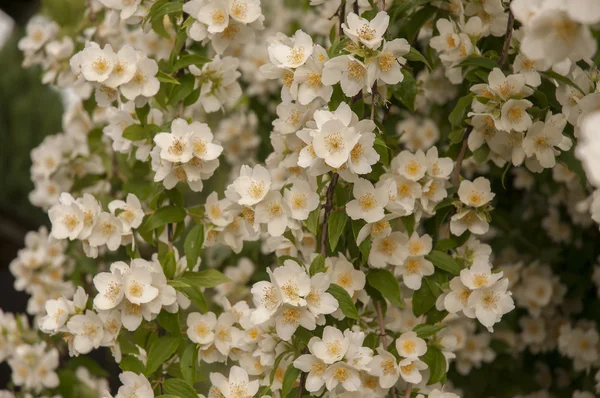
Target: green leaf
(188, 362)
(459, 113)
(423, 299)
(290, 376)
(196, 296)
(179, 388)
(346, 304)
(180, 92)
(169, 322)
(335, 228)
(417, 20)
(452, 243)
(169, 264)
(424, 330)
(406, 91)
(409, 223)
(135, 132)
(160, 351)
(190, 59)
(416, 56)
(562, 79)
(312, 223)
(163, 77)
(129, 363)
(283, 259)
(164, 216)
(387, 284)
(444, 261)
(317, 265)
(142, 114)
(478, 61)
(436, 362)
(481, 154)
(206, 278)
(193, 244)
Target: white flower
(390, 249)
(542, 137)
(96, 63)
(588, 148)
(137, 285)
(67, 220)
(176, 146)
(479, 276)
(368, 201)
(124, 68)
(244, 11)
(288, 318)
(293, 283)
(293, 55)
(252, 185)
(491, 303)
(307, 82)
(409, 165)
(88, 331)
(369, 33)
(344, 374)
(217, 210)
(314, 367)
(274, 212)
(238, 385)
(218, 83)
(57, 314)
(342, 273)
(349, 71)
(334, 141)
(107, 230)
(458, 298)
(318, 301)
(385, 367)
(215, 15)
(110, 287)
(386, 66)
(468, 219)
(410, 346)
(202, 143)
(551, 34)
(201, 327)
(131, 213)
(477, 193)
(144, 82)
(363, 155)
(267, 299)
(410, 370)
(332, 347)
(134, 385)
(514, 116)
(39, 31)
(301, 199)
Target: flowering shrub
(336, 199)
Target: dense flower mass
(329, 198)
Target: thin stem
(355, 7)
(507, 37)
(382, 333)
(461, 156)
(381, 5)
(408, 391)
(328, 206)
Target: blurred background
(29, 111)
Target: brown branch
(383, 334)
(507, 38)
(328, 206)
(461, 157)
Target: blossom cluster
(289, 199)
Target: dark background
(28, 112)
